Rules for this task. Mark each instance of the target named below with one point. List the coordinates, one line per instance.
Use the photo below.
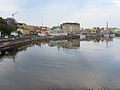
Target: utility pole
(107, 26)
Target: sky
(89, 13)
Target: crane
(14, 14)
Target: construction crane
(14, 14)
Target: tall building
(71, 27)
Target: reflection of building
(11, 53)
(66, 44)
(108, 40)
(71, 27)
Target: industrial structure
(71, 27)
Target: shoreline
(13, 43)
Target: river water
(62, 65)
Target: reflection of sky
(93, 65)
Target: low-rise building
(31, 28)
(41, 34)
(14, 33)
(22, 25)
(57, 32)
(117, 31)
(0, 33)
(44, 31)
(24, 31)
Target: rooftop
(70, 24)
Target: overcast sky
(89, 13)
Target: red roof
(44, 30)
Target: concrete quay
(13, 42)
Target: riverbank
(9, 43)
(18, 41)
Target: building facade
(24, 31)
(57, 33)
(71, 27)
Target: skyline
(89, 13)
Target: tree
(11, 28)
(5, 28)
(55, 27)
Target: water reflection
(11, 53)
(69, 44)
(62, 65)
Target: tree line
(5, 28)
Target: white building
(0, 34)
(58, 32)
(14, 33)
(24, 31)
(42, 34)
